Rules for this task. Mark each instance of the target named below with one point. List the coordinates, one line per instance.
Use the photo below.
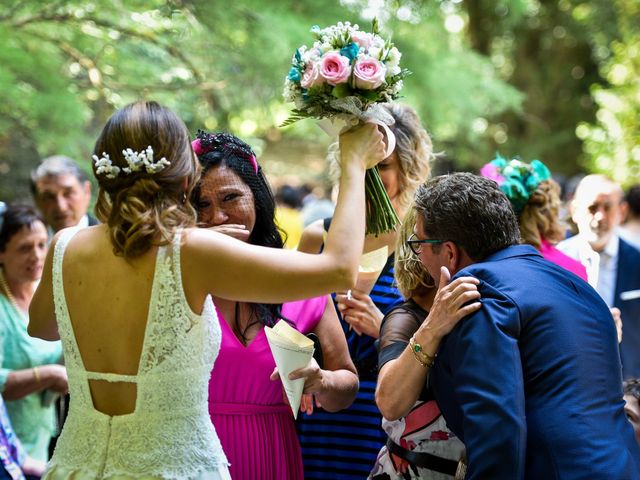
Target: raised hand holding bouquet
(345, 76)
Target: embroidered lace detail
(169, 435)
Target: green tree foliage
(509, 75)
(612, 143)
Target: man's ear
(87, 188)
(451, 256)
(573, 209)
(624, 210)
(455, 257)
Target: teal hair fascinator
(517, 179)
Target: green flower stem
(381, 216)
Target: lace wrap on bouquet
(356, 111)
(169, 435)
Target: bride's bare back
(108, 302)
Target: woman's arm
(334, 387)
(400, 381)
(21, 383)
(42, 315)
(312, 237)
(214, 263)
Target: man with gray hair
(531, 382)
(62, 193)
(613, 265)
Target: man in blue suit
(613, 265)
(531, 382)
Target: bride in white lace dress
(132, 300)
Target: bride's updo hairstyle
(143, 208)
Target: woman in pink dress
(535, 198)
(246, 402)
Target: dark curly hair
(226, 150)
(470, 211)
(13, 218)
(632, 387)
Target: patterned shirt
(11, 452)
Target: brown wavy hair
(145, 209)
(413, 146)
(540, 217)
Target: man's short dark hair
(55, 166)
(470, 211)
(632, 387)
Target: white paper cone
(290, 354)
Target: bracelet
(36, 374)
(423, 357)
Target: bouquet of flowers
(345, 75)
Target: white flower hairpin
(136, 161)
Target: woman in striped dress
(345, 444)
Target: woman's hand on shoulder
(451, 304)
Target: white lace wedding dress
(169, 435)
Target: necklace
(9, 295)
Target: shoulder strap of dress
(175, 255)
(60, 302)
(58, 253)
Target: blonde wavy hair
(145, 209)
(410, 275)
(540, 217)
(413, 147)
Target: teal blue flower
(350, 51)
(294, 75)
(540, 170)
(517, 179)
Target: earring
(184, 198)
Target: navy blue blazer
(627, 299)
(531, 383)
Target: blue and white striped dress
(345, 444)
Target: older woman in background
(30, 374)
(419, 445)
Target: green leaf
(341, 91)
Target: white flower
(312, 55)
(392, 71)
(393, 58)
(290, 90)
(378, 42)
(136, 161)
(104, 165)
(375, 52)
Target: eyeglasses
(416, 245)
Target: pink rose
(334, 68)
(363, 39)
(311, 76)
(368, 74)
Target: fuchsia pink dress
(255, 426)
(554, 255)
